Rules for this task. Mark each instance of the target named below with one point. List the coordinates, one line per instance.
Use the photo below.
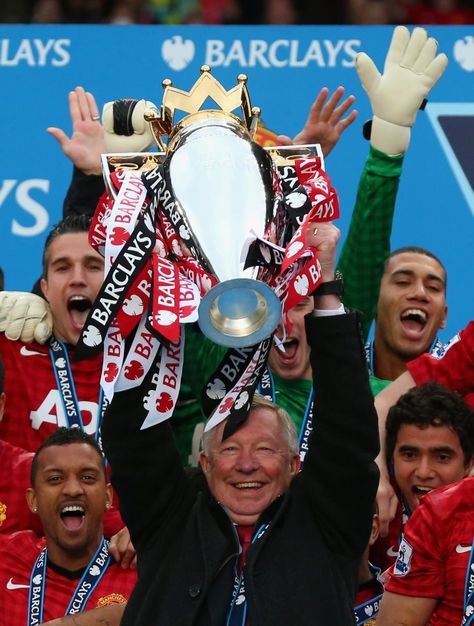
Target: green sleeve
(367, 244)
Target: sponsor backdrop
(286, 67)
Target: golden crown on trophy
(206, 86)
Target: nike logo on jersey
(12, 585)
(460, 549)
(26, 352)
(392, 552)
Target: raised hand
(326, 121)
(86, 143)
(411, 70)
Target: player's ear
(31, 500)
(204, 462)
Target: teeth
(279, 345)
(73, 509)
(424, 489)
(253, 485)
(415, 312)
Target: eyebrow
(62, 469)
(437, 449)
(411, 273)
(67, 259)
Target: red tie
(245, 536)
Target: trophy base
(239, 313)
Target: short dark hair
(70, 224)
(431, 404)
(416, 250)
(62, 437)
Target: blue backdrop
(286, 67)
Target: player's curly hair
(431, 404)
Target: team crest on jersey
(402, 564)
(112, 598)
(440, 349)
(3, 512)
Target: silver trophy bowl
(223, 183)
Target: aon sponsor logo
(51, 411)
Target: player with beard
(70, 568)
(429, 443)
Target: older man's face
(251, 468)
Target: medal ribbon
(90, 579)
(468, 616)
(65, 382)
(370, 608)
(67, 389)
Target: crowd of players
(412, 550)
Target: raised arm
(340, 474)
(146, 470)
(123, 129)
(411, 70)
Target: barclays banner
(286, 67)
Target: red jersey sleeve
(417, 570)
(14, 480)
(453, 366)
(434, 553)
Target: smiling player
(70, 568)
(65, 392)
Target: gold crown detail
(191, 102)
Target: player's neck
(69, 559)
(387, 365)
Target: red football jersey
(14, 480)
(34, 407)
(18, 553)
(453, 366)
(434, 552)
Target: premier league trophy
(212, 228)
(221, 181)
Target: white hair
(286, 423)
